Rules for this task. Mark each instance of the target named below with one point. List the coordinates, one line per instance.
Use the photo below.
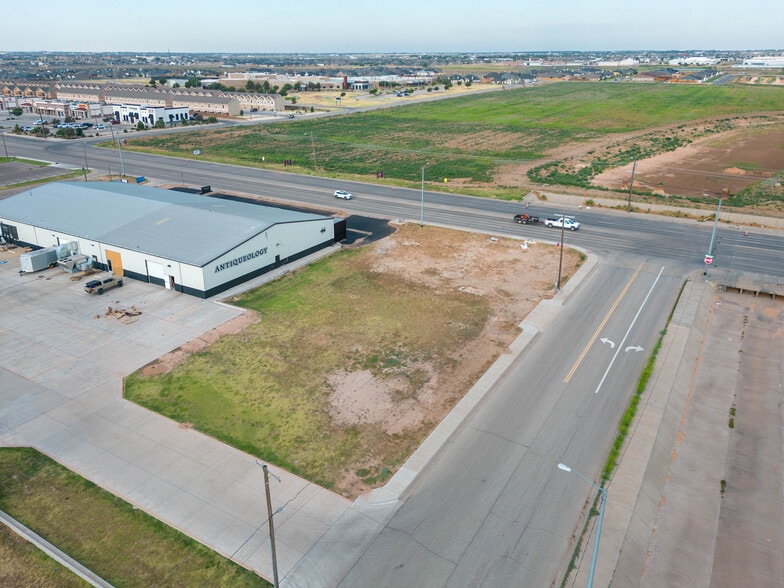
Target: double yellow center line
(601, 326)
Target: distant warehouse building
(190, 243)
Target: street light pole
(713, 234)
(709, 256)
(603, 492)
(422, 209)
(122, 165)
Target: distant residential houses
(674, 76)
(133, 103)
(130, 103)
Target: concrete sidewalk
(61, 373)
(61, 370)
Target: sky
(399, 26)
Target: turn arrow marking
(633, 348)
(606, 340)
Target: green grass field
(466, 138)
(118, 542)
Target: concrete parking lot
(62, 364)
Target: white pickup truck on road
(558, 221)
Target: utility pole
(560, 257)
(122, 165)
(271, 527)
(4, 145)
(43, 126)
(85, 161)
(313, 147)
(422, 209)
(631, 183)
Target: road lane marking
(636, 316)
(601, 326)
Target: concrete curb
(336, 551)
(537, 321)
(50, 550)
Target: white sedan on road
(343, 194)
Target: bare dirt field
(722, 156)
(726, 164)
(512, 278)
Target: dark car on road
(525, 219)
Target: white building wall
(275, 245)
(291, 238)
(149, 115)
(247, 258)
(25, 233)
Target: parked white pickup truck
(98, 286)
(567, 223)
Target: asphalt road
(494, 510)
(603, 231)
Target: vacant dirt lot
(722, 156)
(512, 278)
(402, 407)
(732, 161)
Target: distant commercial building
(19, 94)
(764, 61)
(149, 115)
(249, 101)
(694, 61)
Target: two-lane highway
(604, 231)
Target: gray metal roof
(188, 228)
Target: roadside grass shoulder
(24, 161)
(23, 564)
(117, 541)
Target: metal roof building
(188, 242)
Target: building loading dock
(190, 243)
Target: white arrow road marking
(606, 340)
(633, 348)
(636, 316)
